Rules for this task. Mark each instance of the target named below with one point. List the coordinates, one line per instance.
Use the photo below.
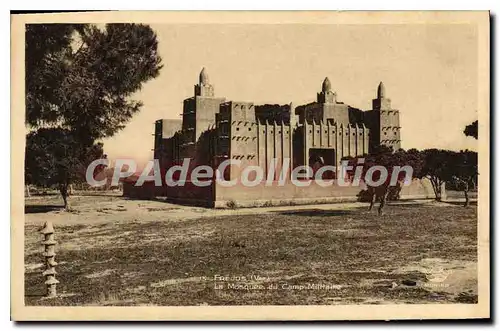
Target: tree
(464, 172)
(465, 166)
(437, 168)
(385, 157)
(79, 82)
(471, 130)
(56, 158)
(457, 168)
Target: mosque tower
(388, 120)
(381, 102)
(204, 88)
(326, 95)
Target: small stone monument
(50, 263)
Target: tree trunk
(383, 199)
(372, 198)
(436, 185)
(466, 193)
(438, 191)
(63, 188)
(436, 188)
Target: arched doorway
(319, 157)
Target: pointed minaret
(327, 86)
(381, 91)
(381, 102)
(326, 95)
(204, 77)
(385, 130)
(204, 88)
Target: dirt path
(115, 209)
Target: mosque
(323, 132)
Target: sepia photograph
(250, 165)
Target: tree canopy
(459, 169)
(471, 130)
(384, 156)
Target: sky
(429, 71)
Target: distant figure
(381, 193)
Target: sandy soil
(114, 251)
(114, 208)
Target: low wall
(219, 196)
(288, 194)
(191, 194)
(419, 189)
(281, 195)
(147, 191)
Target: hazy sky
(429, 71)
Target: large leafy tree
(438, 168)
(385, 157)
(463, 172)
(80, 79)
(466, 165)
(456, 168)
(56, 158)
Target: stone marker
(50, 263)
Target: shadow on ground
(365, 208)
(460, 203)
(35, 209)
(315, 212)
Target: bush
(231, 204)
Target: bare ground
(114, 251)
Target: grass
(360, 255)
